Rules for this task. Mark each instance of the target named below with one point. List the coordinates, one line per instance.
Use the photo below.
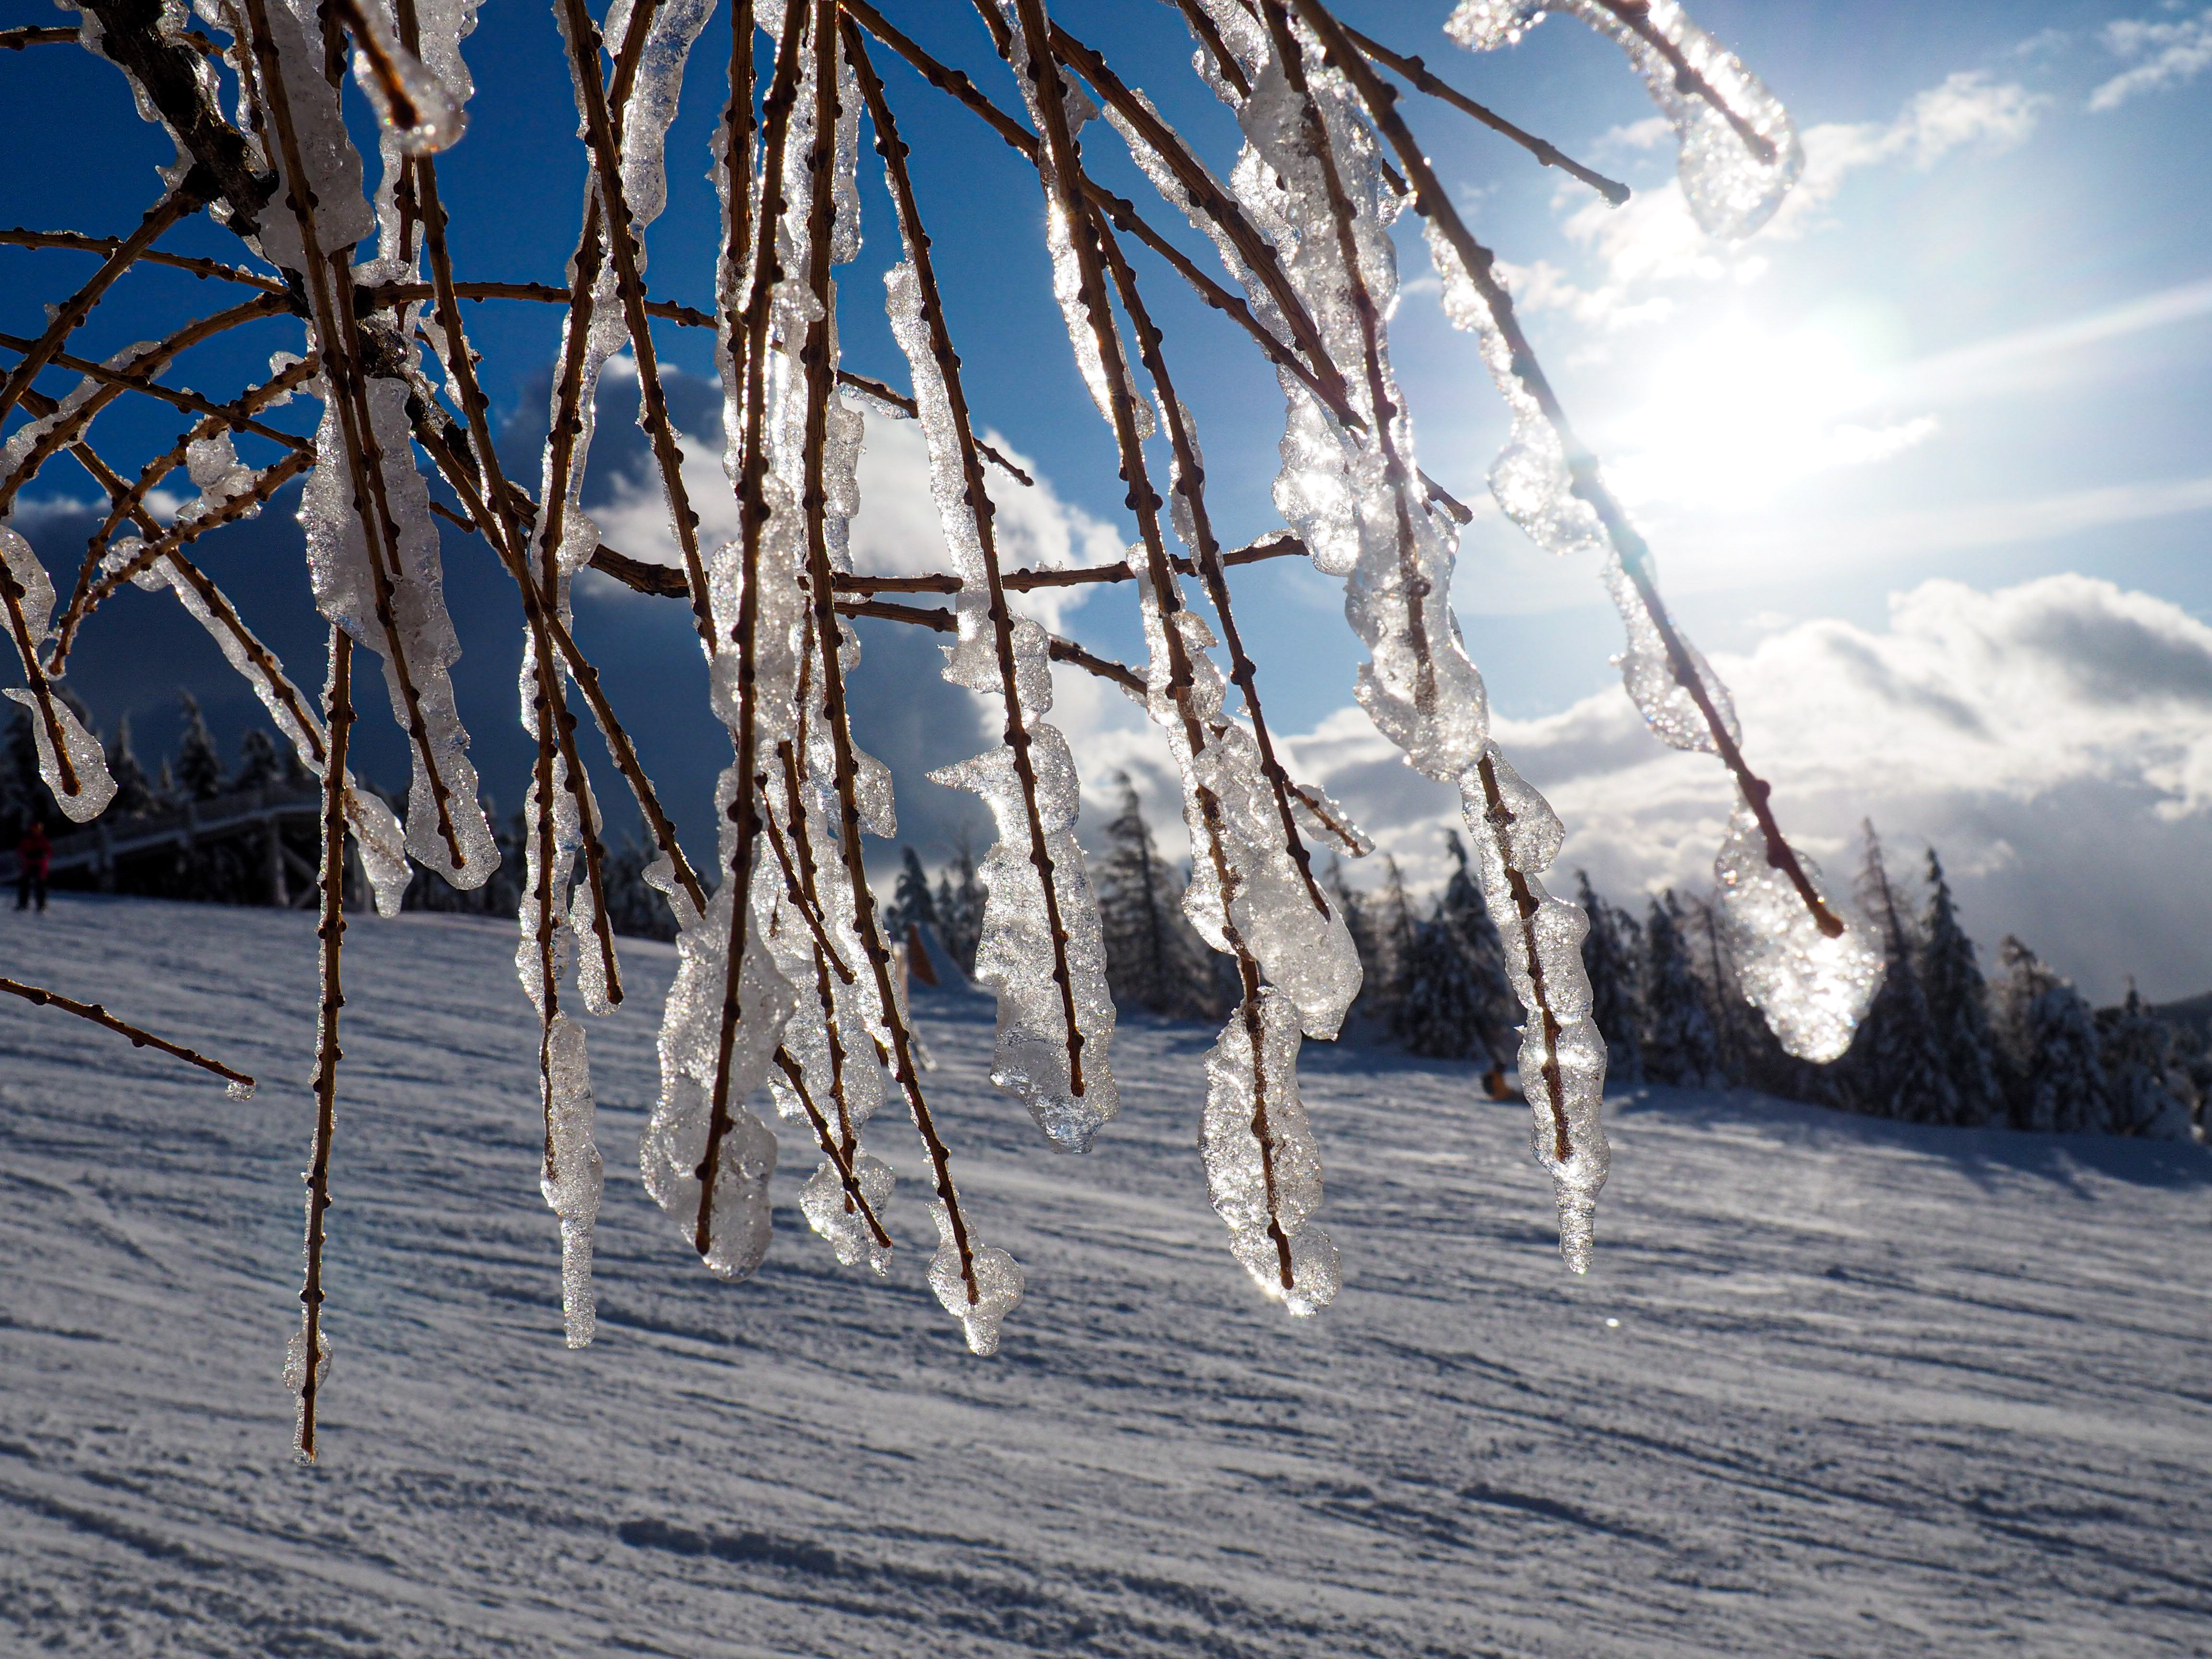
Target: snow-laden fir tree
(258, 766)
(1395, 925)
(1613, 953)
(200, 769)
(1958, 1005)
(1896, 1065)
(1462, 907)
(1358, 910)
(1154, 958)
(2056, 1078)
(960, 904)
(134, 790)
(2144, 1095)
(912, 903)
(1679, 1046)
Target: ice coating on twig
(574, 1175)
(1812, 988)
(1262, 1166)
(1516, 836)
(1250, 893)
(296, 1378)
(423, 639)
(1024, 948)
(411, 104)
(330, 176)
(998, 1288)
(1739, 153)
(1532, 481)
(84, 792)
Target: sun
(1730, 421)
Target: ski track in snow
(1875, 1389)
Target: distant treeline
(1942, 1044)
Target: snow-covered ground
(1872, 1389)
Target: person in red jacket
(33, 854)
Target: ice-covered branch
(241, 1085)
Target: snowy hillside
(1872, 1390)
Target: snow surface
(1875, 1389)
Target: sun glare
(1737, 417)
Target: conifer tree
(1610, 955)
(1154, 958)
(960, 905)
(199, 762)
(911, 905)
(1497, 1009)
(1440, 1014)
(1896, 1066)
(258, 765)
(1959, 1005)
(134, 792)
(1678, 1043)
(1395, 928)
(2055, 1074)
(1731, 1016)
(1357, 909)
(2144, 1095)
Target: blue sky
(1924, 461)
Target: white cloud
(2172, 54)
(1651, 239)
(2052, 740)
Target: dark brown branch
(1190, 483)
(129, 504)
(77, 242)
(1014, 729)
(16, 39)
(330, 932)
(1434, 205)
(1063, 178)
(100, 1015)
(748, 329)
(1414, 71)
(840, 1157)
(1282, 544)
(906, 406)
(181, 202)
(1636, 15)
(816, 358)
(168, 71)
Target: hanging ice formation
(785, 991)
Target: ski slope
(1873, 1389)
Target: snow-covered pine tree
(1154, 959)
(912, 904)
(199, 762)
(1440, 1014)
(2047, 1038)
(134, 790)
(1395, 928)
(1732, 1016)
(1896, 1064)
(960, 905)
(1357, 909)
(1679, 1046)
(1496, 1008)
(1611, 953)
(258, 766)
(2144, 1095)
(1958, 1005)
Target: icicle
(1516, 836)
(1263, 1167)
(997, 1290)
(573, 1174)
(1739, 153)
(1017, 955)
(34, 598)
(1260, 900)
(1813, 989)
(411, 105)
(339, 561)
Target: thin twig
(1636, 15)
(1434, 205)
(1414, 69)
(139, 1038)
